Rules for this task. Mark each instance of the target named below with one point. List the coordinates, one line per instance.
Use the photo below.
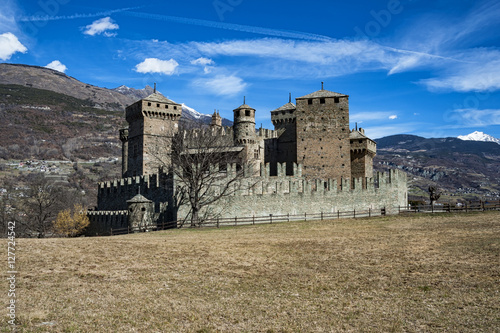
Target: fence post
(235, 220)
(271, 217)
(253, 219)
(217, 222)
(369, 212)
(354, 213)
(321, 216)
(399, 210)
(288, 217)
(338, 214)
(305, 216)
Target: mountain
(134, 94)
(49, 79)
(479, 136)
(466, 169)
(100, 98)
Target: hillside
(49, 79)
(41, 124)
(459, 168)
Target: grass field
(416, 273)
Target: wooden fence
(268, 219)
(455, 208)
(252, 220)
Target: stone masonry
(310, 163)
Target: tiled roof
(155, 97)
(322, 93)
(139, 198)
(244, 106)
(287, 106)
(357, 135)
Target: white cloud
(483, 74)
(8, 13)
(101, 26)
(370, 116)
(9, 44)
(393, 116)
(57, 65)
(464, 118)
(222, 84)
(202, 61)
(154, 65)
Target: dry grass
(412, 274)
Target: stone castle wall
(281, 195)
(101, 222)
(257, 196)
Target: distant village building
(311, 162)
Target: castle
(311, 162)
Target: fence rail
(448, 208)
(269, 219)
(252, 220)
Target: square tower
(153, 122)
(363, 150)
(323, 148)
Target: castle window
(343, 130)
(149, 103)
(336, 99)
(352, 141)
(175, 107)
(143, 209)
(309, 101)
(166, 106)
(247, 113)
(322, 100)
(360, 141)
(157, 105)
(343, 165)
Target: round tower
(140, 213)
(244, 125)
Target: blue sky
(428, 68)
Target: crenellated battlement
(311, 162)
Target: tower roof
(156, 97)
(286, 107)
(244, 106)
(322, 93)
(355, 134)
(138, 199)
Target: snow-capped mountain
(479, 136)
(136, 94)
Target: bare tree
(433, 195)
(40, 203)
(198, 159)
